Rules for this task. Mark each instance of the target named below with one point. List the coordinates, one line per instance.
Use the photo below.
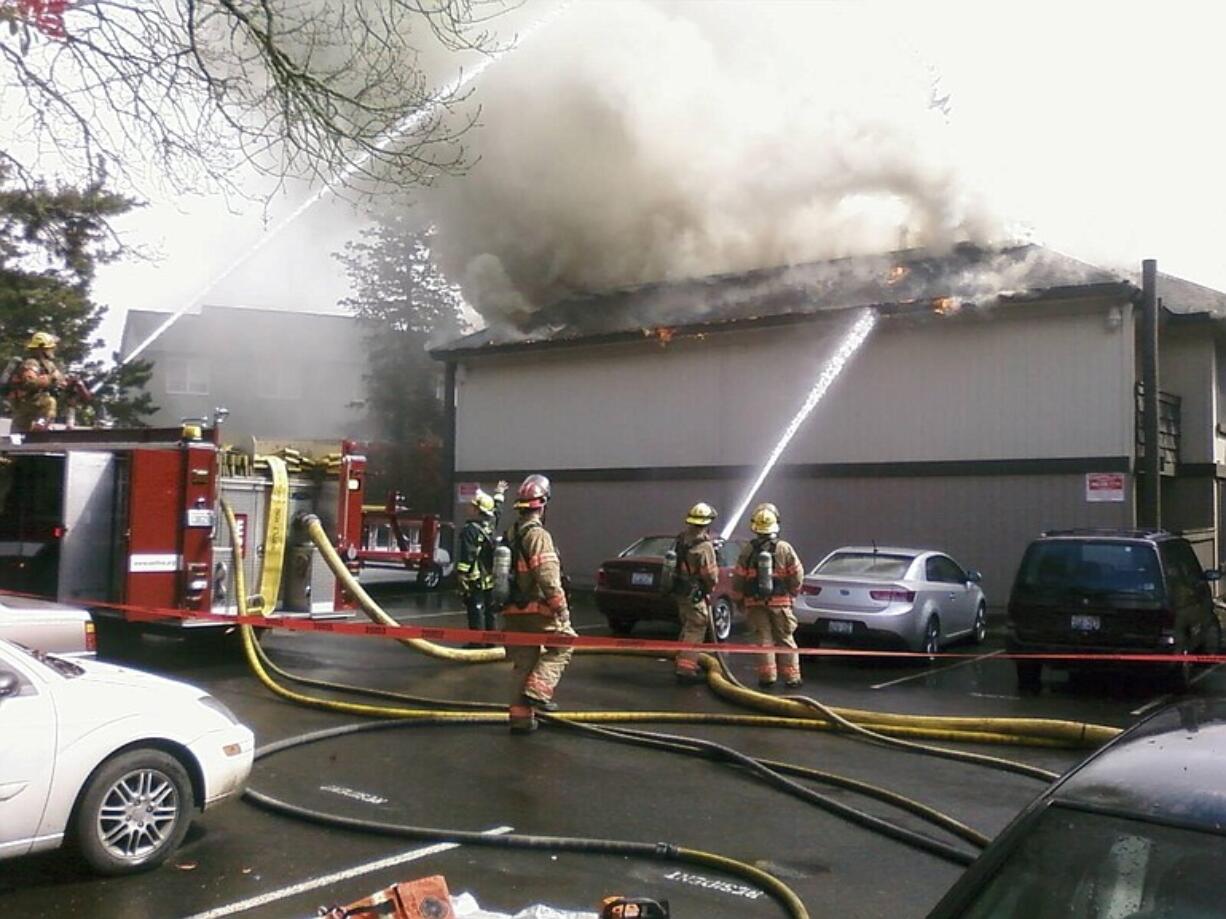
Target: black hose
(660, 851)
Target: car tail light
(810, 590)
(57, 532)
(893, 595)
(91, 637)
(602, 578)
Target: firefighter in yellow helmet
(32, 383)
(696, 571)
(536, 603)
(475, 568)
(767, 595)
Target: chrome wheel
(932, 638)
(980, 629)
(430, 578)
(138, 814)
(721, 618)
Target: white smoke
(631, 141)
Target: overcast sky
(1098, 128)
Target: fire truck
(100, 517)
(395, 538)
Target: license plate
(642, 578)
(1086, 623)
(841, 628)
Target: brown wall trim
(1061, 466)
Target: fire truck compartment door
(87, 548)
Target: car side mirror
(9, 684)
(973, 577)
(1212, 574)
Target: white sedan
(914, 597)
(112, 760)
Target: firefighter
(32, 384)
(697, 571)
(536, 603)
(475, 569)
(769, 606)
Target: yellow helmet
(765, 520)
(43, 340)
(483, 503)
(701, 514)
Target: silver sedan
(877, 595)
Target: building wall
(1054, 385)
(985, 522)
(1016, 408)
(1187, 368)
(282, 375)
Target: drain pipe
(1150, 510)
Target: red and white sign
(1104, 486)
(466, 491)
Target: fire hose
(792, 714)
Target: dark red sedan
(628, 587)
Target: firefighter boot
(541, 705)
(523, 719)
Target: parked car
(112, 760)
(916, 598)
(1138, 831)
(47, 626)
(628, 587)
(1107, 592)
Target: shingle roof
(895, 281)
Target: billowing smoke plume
(627, 142)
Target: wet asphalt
(239, 860)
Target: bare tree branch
(189, 90)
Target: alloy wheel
(138, 814)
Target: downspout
(1150, 511)
(449, 428)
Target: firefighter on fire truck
(693, 556)
(527, 567)
(768, 575)
(33, 382)
(475, 569)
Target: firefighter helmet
(533, 493)
(701, 514)
(484, 503)
(765, 520)
(44, 340)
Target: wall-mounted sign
(1104, 486)
(466, 491)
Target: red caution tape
(538, 639)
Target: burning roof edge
(909, 282)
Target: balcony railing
(1169, 430)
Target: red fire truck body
(132, 517)
(393, 537)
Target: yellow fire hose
(1039, 732)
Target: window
(650, 545)
(865, 565)
(1090, 566)
(186, 375)
(944, 571)
(1080, 864)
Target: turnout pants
(693, 618)
(480, 615)
(775, 625)
(29, 410)
(537, 670)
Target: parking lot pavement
(242, 861)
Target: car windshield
(650, 545)
(865, 565)
(1090, 567)
(1075, 863)
(63, 667)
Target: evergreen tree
(51, 242)
(407, 305)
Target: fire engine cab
(132, 517)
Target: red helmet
(533, 493)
